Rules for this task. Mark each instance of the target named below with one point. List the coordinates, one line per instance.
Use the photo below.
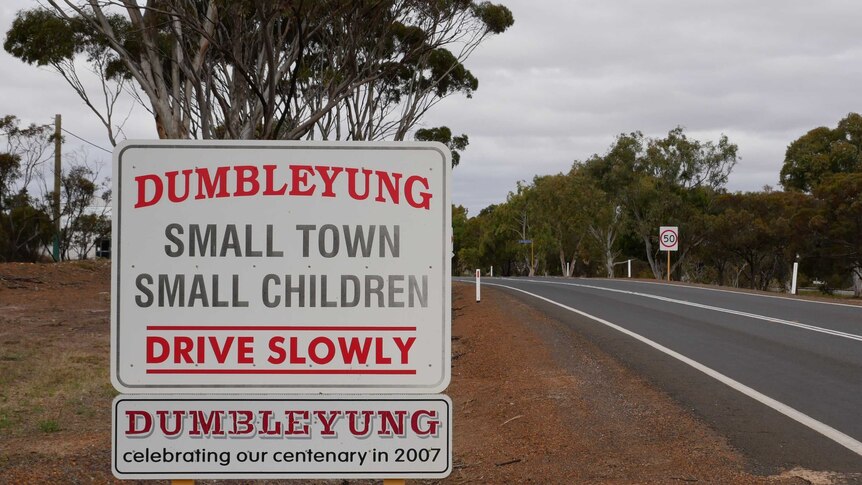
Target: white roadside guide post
(795, 274)
(271, 321)
(630, 268)
(478, 286)
(668, 239)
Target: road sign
(668, 238)
(525, 241)
(233, 437)
(281, 267)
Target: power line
(86, 141)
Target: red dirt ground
(521, 415)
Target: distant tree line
(608, 208)
(27, 223)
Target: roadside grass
(5, 421)
(57, 385)
(49, 426)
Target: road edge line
(822, 428)
(756, 316)
(722, 290)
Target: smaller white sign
(238, 437)
(668, 238)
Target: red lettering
(247, 421)
(133, 428)
(201, 348)
(432, 424)
(294, 352)
(207, 185)
(383, 178)
(381, 359)
(328, 423)
(315, 344)
(246, 175)
(221, 352)
(207, 423)
(275, 345)
(299, 180)
(425, 203)
(172, 185)
(266, 421)
(245, 350)
(404, 347)
(351, 183)
(158, 189)
(183, 347)
(349, 352)
(269, 169)
(328, 179)
(163, 422)
(353, 422)
(165, 347)
(292, 423)
(394, 420)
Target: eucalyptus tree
(664, 181)
(822, 152)
(245, 69)
(558, 205)
(837, 228)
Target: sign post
(668, 237)
(292, 268)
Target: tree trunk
(609, 253)
(857, 282)
(653, 264)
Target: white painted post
(630, 268)
(793, 281)
(492, 271)
(567, 269)
(478, 286)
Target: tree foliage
(608, 209)
(822, 152)
(27, 226)
(443, 135)
(292, 69)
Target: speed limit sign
(668, 238)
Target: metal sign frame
(254, 437)
(672, 233)
(419, 249)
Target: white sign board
(281, 267)
(668, 238)
(226, 437)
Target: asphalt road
(780, 378)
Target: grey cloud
(572, 74)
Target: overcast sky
(570, 75)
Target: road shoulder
(535, 400)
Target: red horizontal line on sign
(284, 371)
(302, 328)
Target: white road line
(790, 323)
(801, 418)
(704, 288)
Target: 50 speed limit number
(668, 238)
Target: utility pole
(57, 173)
